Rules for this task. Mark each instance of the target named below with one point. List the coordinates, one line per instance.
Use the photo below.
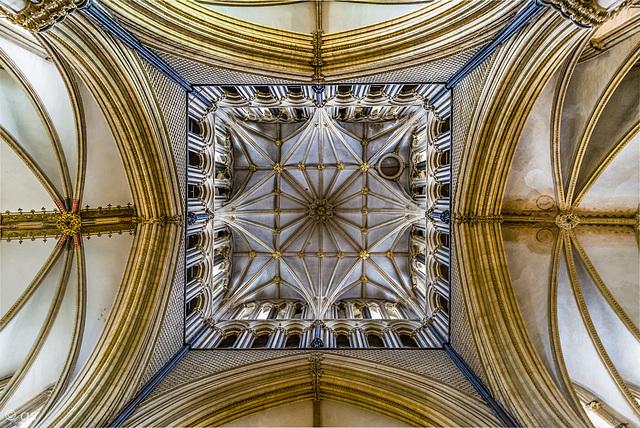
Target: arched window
(342, 341)
(342, 313)
(194, 158)
(407, 341)
(194, 126)
(297, 314)
(444, 239)
(246, 312)
(443, 303)
(446, 125)
(260, 341)
(192, 240)
(445, 157)
(366, 313)
(375, 341)
(273, 313)
(264, 313)
(193, 191)
(192, 272)
(444, 271)
(444, 190)
(192, 305)
(357, 312)
(228, 341)
(293, 341)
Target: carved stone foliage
(587, 12)
(42, 15)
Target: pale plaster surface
(300, 414)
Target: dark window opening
(228, 341)
(444, 190)
(194, 158)
(193, 240)
(407, 341)
(194, 126)
(260, 341)
(421, 258)
(293, 341)
(192, 272)
(231, 90)
(445, 158)
(193, 191)
(298, 312)
(444, 239)
(342, 341)
(408, 88)
(375, 341)
(192, 305)
(344, 89)
(217, 259)
(342, 313)
(444, 271)
(263, 89)
(294, 89)
(443, 303)
(446, 125)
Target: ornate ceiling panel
(318, 204)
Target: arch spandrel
(364, 382)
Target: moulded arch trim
(220, 398)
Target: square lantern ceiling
(321, 215)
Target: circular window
(390, 166)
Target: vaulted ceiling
(544, 214)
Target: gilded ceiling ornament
(252, 254)
(340, 166)
(320, 254)
(69, 224)
(320, 211)
(277, 255)
(277, 168)
(567, 220)
(277, 231)
(277, 280)
(364, 167)
(42, 15)
(586, 12)
(364, 255)
(301, 167)
(340, 254)
(389, 254)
